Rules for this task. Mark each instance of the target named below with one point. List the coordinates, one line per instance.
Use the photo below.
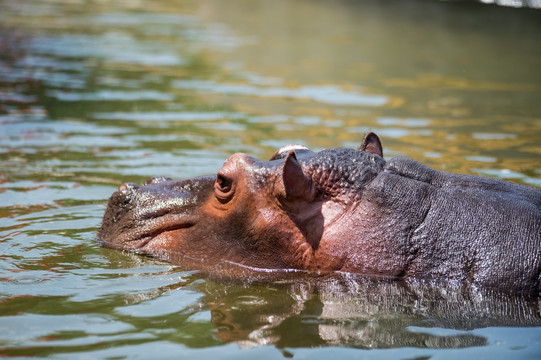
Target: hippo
(336, 211)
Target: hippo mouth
(137, 238)
(138, 243)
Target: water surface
(94, 94)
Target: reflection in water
(361, 313)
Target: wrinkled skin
(338, 210)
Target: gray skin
(338, 210)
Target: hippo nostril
(128, 187)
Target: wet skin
(338, 210)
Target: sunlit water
(93, 94)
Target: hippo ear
(293, 184)
(371, 144)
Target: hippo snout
(131, 188)
(156, 180)
(137, 214)
(127, 187)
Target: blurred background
(97, 93)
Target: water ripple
(327, 94)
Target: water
(93, 94)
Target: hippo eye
(223, 187)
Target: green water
(94, 94)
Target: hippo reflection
(348, 311)
(337, 210)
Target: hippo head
(253, 214)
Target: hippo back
(481, 230)
(414, 170)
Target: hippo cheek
(174, 241)
(196, 247)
